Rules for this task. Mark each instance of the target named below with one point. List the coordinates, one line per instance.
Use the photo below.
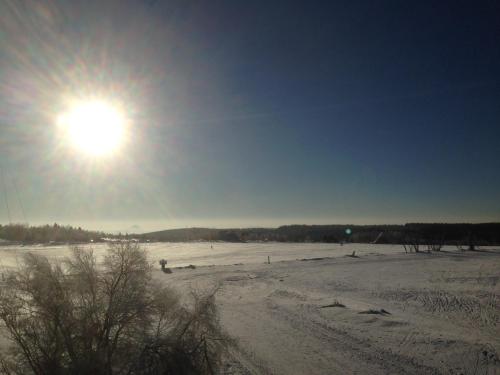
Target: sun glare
(93, 127)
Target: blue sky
(255, 113)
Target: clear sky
(254, 113)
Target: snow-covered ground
(435, 313)
(217, 253)
(383, 312)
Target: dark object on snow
(334, 304)
(163, 263)
(378, 312)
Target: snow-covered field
(315, 311)
(205, 253)
(380, 313)
(218, 253)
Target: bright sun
(93, 127)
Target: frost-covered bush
(78, 317)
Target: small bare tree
(412, 241)
(78, 317)
(434, 246)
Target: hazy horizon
(138, 227)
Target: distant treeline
(450, 234)
(48, 233)
(467, 235)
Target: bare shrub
(434, 247)
(412, 241)
(77, 317)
